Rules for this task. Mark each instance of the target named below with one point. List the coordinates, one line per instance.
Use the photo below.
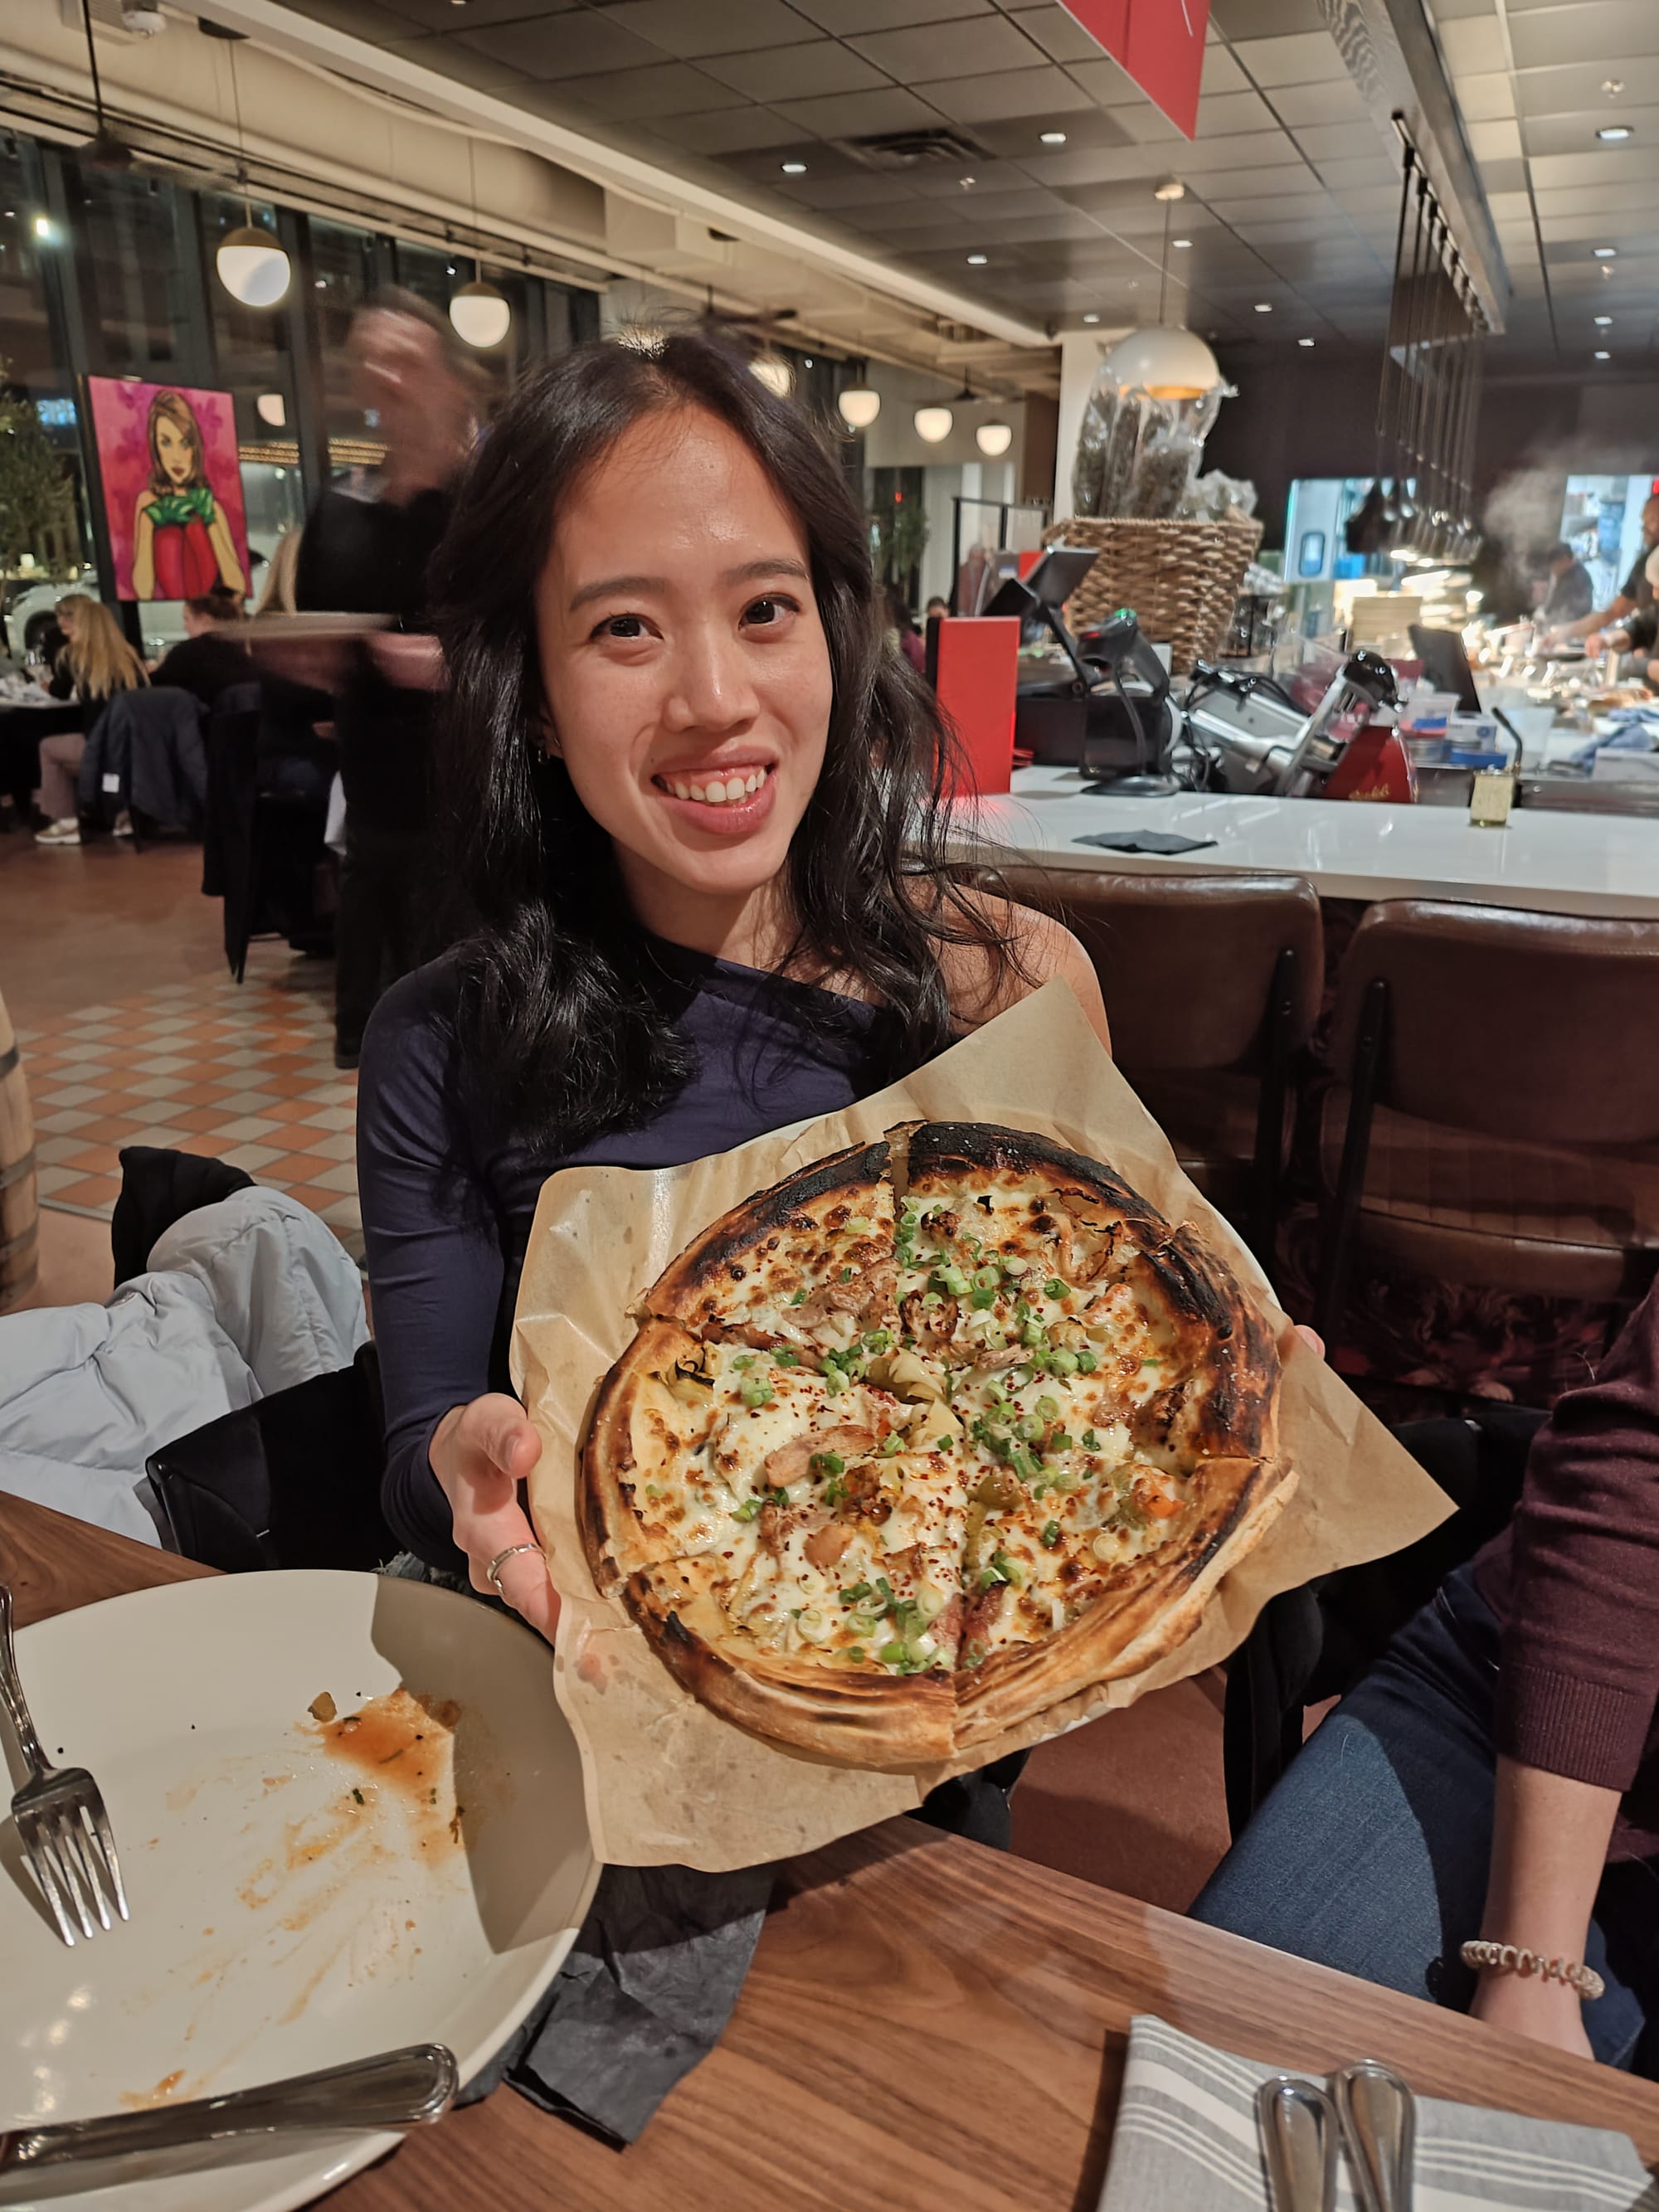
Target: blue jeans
(1371, 1855)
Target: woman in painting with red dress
(181, 541)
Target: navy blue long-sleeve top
(447, 1206)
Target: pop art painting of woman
(172, 489)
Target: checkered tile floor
(246, 1073)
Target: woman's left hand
(1544, 2012)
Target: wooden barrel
(19, 1205)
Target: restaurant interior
(1217, 443)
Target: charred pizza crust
(739, 1281)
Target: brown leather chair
(1212, 985)
(1496, 1120)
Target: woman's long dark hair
(562, 1035)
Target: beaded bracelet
(1509, 1960)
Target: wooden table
(925, 2021)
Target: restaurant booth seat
(1213, 986)
(1496, 1117)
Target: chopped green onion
(749, 1509)
(950, 1277)
(974, 1656)
(754, 1394)
(1049, 1408)
(857, 1591)
(1086, 1363)
(1063, 1362)
(890, 1444)
(857, 1654)
(1022, 1310)
(879, 1339)
(847, 1275)
(1025, 1464)
(1091, 1441)
(863, 1623)
(827, 1463)
(1050, 1534)
(747, 1360)
(1005, 1569)
(786, 1359)
(983, 1300)
(1029, 1428)
(1035, 1336)
(994, 1395)
(1054, 1288)
(800, 1298)
(833, 1490)
(987, 1279)
(1059, 1440)
(834, 1381)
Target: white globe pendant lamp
(994, 438)
(859, 404)
(1166, 360)
(935, 424)
(480, 315)
(253, 267)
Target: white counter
(1548, 862)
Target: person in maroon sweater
(1495, 1775)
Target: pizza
(926, 1440)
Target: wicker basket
(1181, 578)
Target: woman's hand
(1546, 2012)
(480, 1454)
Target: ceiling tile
(1264, 19)
(1616, 29)
(1297, 103)
(440, 14)
(860, 114)
(1484, 99)
(664, 88)
(1576, 89)
(925, 54)
(566, 45)
(1221, 114)
(1222, 72)
(1309, 57)
(797, 72)
(453, 60)
(1106, 84)
(1576, 134)
(848, 19)
(1504, 176)
(1498, 140)
(1600, 166)
(1061, 35)
(729, 131)
(862, 188)
(1043, 91)
(692, 28)
(359, 19)
(1472, 43)
(939, 181)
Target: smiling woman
(698, 816)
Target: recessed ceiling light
(1305, 341)
(1264, 306)
(1606, 252)
(1613, 86)
(967, 183)
(1172, 189)
(1602, 355)
(795, 168)
(1180, 243)
(1603, 321)
(977, 260)
(1615, 130)
(1051, 137)
(1091, 319)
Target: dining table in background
(924, 2020)
(1544, 860)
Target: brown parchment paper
(667, 1780)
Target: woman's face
(66, 622)
(173, 450)
(685, 664)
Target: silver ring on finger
(492, 1571)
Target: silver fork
(60, 1818)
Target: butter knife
(398, 2089)
(1296, 2121)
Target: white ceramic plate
(300, 1896)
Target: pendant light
(479, 311)
(1167, 360)
(252, 264)
(861, 403)
(994, 438)
(935, 424)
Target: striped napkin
(1186, 2141)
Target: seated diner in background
(698, 812)
(206, 662)
(1566, 585)
(1636, 591)
(95, 662)
(1494, 1781)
